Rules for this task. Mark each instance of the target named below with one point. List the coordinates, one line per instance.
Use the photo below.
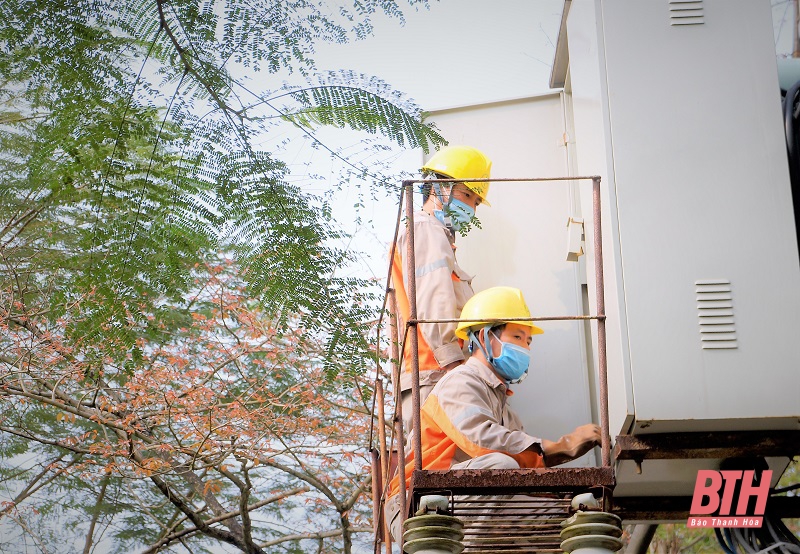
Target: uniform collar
(426, 215)
(422, 214)
(487, 375)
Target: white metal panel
(523, 243)
(686, 119)
(703, 194)
(591, 132)
(684, 122)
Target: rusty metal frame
(514, 481)
(566, 479)
(599, 299)
(723, 445)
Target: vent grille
(686, 12)
(715, 311)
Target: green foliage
(132, 161)
(112, 200)
(345, 99)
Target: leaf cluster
(178, 339)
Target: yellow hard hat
(496, 303)
(463, 162)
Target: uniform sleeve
(469, 414)
(436, 296)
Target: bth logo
(714, 493)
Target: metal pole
(641, 537)
(398, 409)
(382, 431)
(413, 337)
(376, 495)
(401, 469)
(396, 361)
(795, 37)
(601, 322)
(384, 460)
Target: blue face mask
(440, 215)
(512, 363)
(460, 213)
(454, 213)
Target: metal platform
(511, 511)
(512, 481)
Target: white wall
(523, 243)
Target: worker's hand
(571, 446)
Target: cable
(789, 122)
(782, 533)
(779, 545)
(722, 542)
(743, 539)
(772, 536)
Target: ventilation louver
(715, 309)
(686, 12)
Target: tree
(226, 416)
(130, 353)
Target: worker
(466, 422)
(442, 287)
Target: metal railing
(381, 463)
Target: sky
(782, 17)
(459, 51)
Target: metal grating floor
(511, 524)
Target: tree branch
(185, 532)
(42, 440)
(33, 486)
(187, 63)
(320, 535)
(87, 548)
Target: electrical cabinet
(677, 105)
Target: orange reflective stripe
(528, 459)
(450, 432)
(427, 361)
(437, 450)
(440, 439)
